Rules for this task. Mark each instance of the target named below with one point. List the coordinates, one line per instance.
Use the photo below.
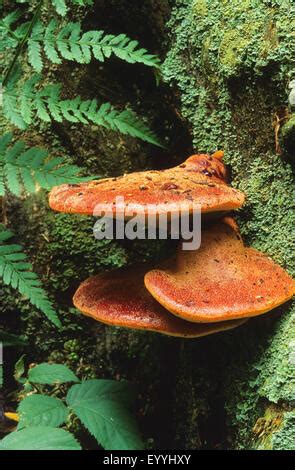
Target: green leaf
(8, 37)
(20, 168)
(60, 6)
(19, 368)
(40, 438)
(41, 410)
(83, 2)
(18, 274)
(34, 53)
(11, 18)
(34, 46)
(8, 339)
(23, 104)
(51, 374)
(120, 391)
(70, 43)
(104, 415)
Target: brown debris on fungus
(223, 280)
(120, 299)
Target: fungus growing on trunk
(223, 280)
(199, 180)
(120, 299)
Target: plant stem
(22, 43)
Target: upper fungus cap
(120, 299)
(223, 280)
(199, 180)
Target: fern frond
(71, 44)
(17, 273)
(83, 3)
(8, 37)
(10, 99)
(9, 19)
(23, 104)
(34, 47)
(21, 168)
(62, 8)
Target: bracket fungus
(223, 280)
(214, 288)
(201, 180)
(120, 299)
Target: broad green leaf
(40, 438)
(120, 391)
(51, 374)
(41, 410)
(105, 417)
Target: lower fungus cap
(120, 299)
(222, 280)
(200, 180)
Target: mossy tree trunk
(231, 62)
(226, 68)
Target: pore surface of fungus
(223, 280)
(199, 180)
(120, 299)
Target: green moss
(231, 49)
(260, 377)
(284, 439)
(200, 8)
(231, 40)
(277, 377)
(75, 253)
(288, 137)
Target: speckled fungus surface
(199, 180)
(120, 299)
(223, 280)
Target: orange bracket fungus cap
(120, 299)
(223, 280)
(199, 180)
(219, 154)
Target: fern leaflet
(22, 105)
(21, 168)
(17, 273)
(62, 8)
(69, 43)
(9, 38)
